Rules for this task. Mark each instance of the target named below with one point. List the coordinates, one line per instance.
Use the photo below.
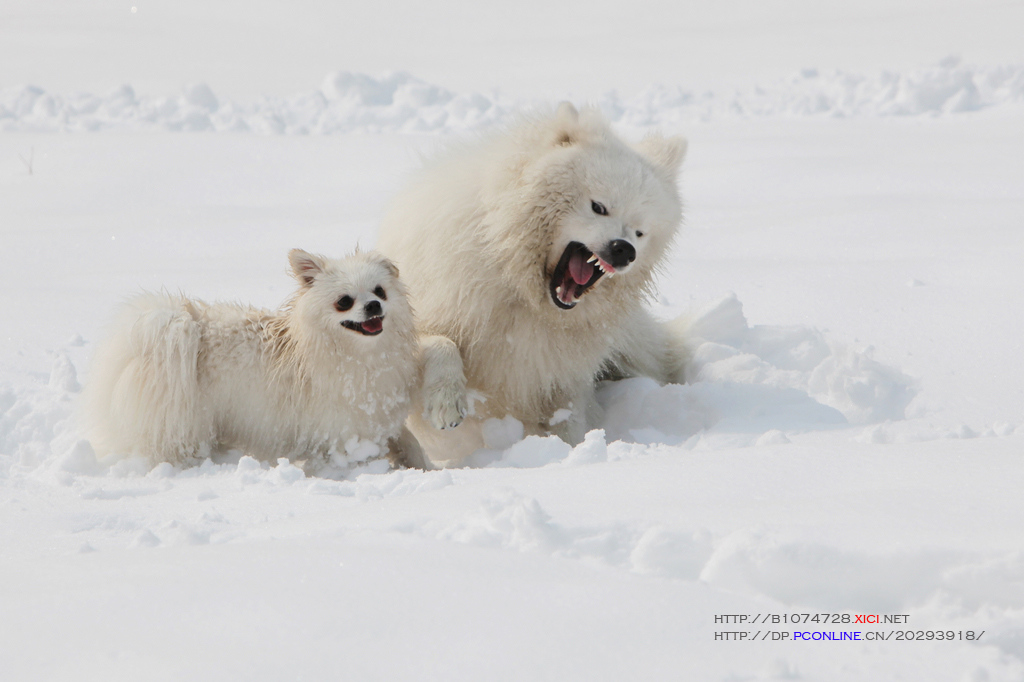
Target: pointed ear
(566, 125)
(305, 266)
(388, 264)
(666, 153)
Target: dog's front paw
(444, 383)
(446, 407)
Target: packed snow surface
(850, 440)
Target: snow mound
(803, 572)
(750, 385)
(399, 102)
(347, 102)
(727, 351)
(509, 520)
(945, 88)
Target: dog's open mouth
(370, 327)
(578, 269)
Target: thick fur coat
(534, 250)
(337, 366)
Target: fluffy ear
(391, 267)
(666, 153)
(305, 266)
(566, 125)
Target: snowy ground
(850, 443)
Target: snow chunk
(81, 459)
(772, 437)
(249, 470)
(793, 358)
(500, 434)
(671, 555)
(145, 539)
(560, 416)
(593, 449)
(533, 451)
(861, 388)
(507, 519)
(63, 376)
(200, 95)
(286, 473)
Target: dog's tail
(143, 395)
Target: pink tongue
(580, 270)
(372, 325)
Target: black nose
(620, 253)
(372, 308)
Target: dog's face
(352, 296)
(620, 211)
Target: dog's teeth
(558, 290)
(592, 259)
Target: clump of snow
(533, 451)
(399, 102)
(500, 434)
(560, 415)
(660, 551)
(795, 358)
(63, 376)
(35, 421)
(592, 450)
(861, 388)
(81, 459)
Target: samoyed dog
(333, 372)
(534, 249)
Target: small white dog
(337, 366)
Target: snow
(399, 102)
(849, 441)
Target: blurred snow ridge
(399, 102)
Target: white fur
(478, 235)
(179, 379)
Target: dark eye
(380, 293)
(344, 303)
(599, 208)
(639, 234)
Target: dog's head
(353, 296)
(613, 209)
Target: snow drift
(399, 102)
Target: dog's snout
(620, 253)
(372, 309)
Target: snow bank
(751, 385)
(346, 102)
(399, 102)
(947, 87)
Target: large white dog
(335, 369)
(534, 250)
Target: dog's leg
(649, 348)
(406, 451)
(584, 412)
(444, 382)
